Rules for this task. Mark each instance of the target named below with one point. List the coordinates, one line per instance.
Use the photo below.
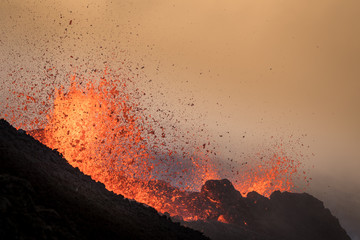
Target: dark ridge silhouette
(284, 215)
(43, 197)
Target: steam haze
(261, 70)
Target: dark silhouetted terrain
(283, 216)
(43, 197)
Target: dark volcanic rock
(221, 191)
(229, 202)
(301, 216)
(284, 216)
(43, 197)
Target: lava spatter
(99, 127)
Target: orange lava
(94, 129)
(97, 128)
(222, 219)
(276, 173)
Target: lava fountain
(94, 128)
(99, 128)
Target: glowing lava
(276, 173)
(97, 128)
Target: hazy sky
(257, 68)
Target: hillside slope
(43, 197)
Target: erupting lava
(275, 173)
(97, 128)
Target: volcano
(44, 197)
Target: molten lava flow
(98, 129)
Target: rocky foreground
(43, 197)
(284, 216)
